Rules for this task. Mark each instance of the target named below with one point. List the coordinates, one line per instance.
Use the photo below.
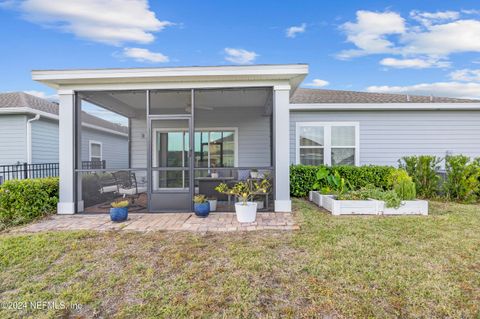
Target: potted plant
(214, 173)
(213, 204)
(119, 211)
(245, 209)
(201, 206)
(254, 173)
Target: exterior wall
(114, 147)
(13, 139)
(386, 136)
(44, 141)
(254, 137)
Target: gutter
(29, 137)
(384, 106)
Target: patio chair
(127, 184)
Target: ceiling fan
(188, 109)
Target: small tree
(423, 170)
(245, 190)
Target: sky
(414, 47)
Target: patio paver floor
(215, 222)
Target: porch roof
(71, 78)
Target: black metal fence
(25, 171)
(94, 164)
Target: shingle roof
(21, 99)
(306, 96)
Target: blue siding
(44, 141)
(13, 139)
(386, 136)
(114, 147)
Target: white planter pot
(213, 204)
(254, 174)
(214, 175)
(246, 213)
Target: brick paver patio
(215, 222)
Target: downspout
(29, 137)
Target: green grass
(412, 266)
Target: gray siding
(253, 134)
(386, 136)
(44, 141)
(114, 147)
(13, 139)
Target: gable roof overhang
(174, 77)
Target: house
(243, 119)
(29, 134)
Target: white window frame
(90, 143)
(327, 136)
(202, 129)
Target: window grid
(327, 135)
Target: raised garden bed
(367, 207)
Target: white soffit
(294, 73)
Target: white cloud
(369, 32)
(317, 83)
(430, 36)
(428, 18)
(444, 39)
(446, 89)
(144, 55)
(294, 30)
(466, 75)
(416, 63)
(240, 56)
(43, 95)
(112, 22)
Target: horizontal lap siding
(13, 139)
(253, 134)
(114, 147)
(44, 141)
(386, 136)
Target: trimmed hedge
(24, 200)
(302, 178)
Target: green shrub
(304, 178)
(462, 181)
(24, 200)
(423, 170)
(403, 184)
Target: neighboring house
(29, 133)
(248, 118)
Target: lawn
(412, 266)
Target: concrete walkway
(215, 222)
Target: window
(215, 148)
(95, 151)
(329, 143)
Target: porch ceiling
(71, 79)
(132, 103)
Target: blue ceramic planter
(119, 214)
(202, 210)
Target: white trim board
(385, 106)
(28, 110)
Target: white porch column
(281, 138)
(66, 129)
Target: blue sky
(417, 47)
